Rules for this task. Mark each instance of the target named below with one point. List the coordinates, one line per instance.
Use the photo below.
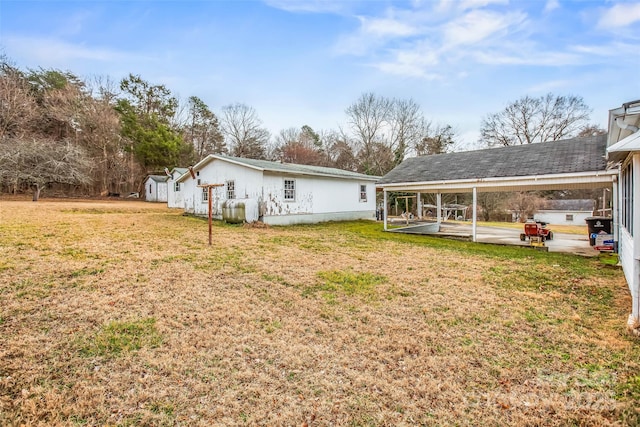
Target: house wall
(560, 217)
(175, 199)
(628, 244)
(248, 184)
(317, 199)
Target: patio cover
(568, 164)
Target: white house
(285, 193)
(566, 212)
(155, 188)
(175, 197)
(623, 153)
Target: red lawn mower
(536, 232)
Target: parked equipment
(537, 232)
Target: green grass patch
(335, 282)
(117, 338)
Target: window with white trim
(289, 190)
(205, 194)
(177, 186)
(568, 217)
(363, 192)
(627, 198)
(231, 189)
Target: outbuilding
(155, 188)
(284, 193)
(565, 212)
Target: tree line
(97, 136)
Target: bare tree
(525, 204)
(244, 132)
(17, 106)
(436, 139)
(591, 130)
(490, 203)
(368, 117)
(529, 120)
(39, 163)
(407, 124)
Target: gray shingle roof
(158, 178)
(546, 158)
(298, 169)
(580, 205)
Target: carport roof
(539, 165)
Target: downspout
(626, 126)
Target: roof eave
(602, 176)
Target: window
(150, 189)
(363, 192)
(627, 198)
(231, 189)
(205, 194)
(569, 217)
(177, 186)
(289, 190)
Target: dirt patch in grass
(119, 313)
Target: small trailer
(537, 232)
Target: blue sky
(303, 62)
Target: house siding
(560, 218)
(317, 198)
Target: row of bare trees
(97, 136)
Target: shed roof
(158, 178)
(575, 205)
(547, 158)
(286, 168)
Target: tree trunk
(36, 192)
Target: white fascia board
(622, 148)
(495, 184)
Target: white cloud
(620, 15)
(384, 27)
(477, 4)
(551, 5)
(55, 53)
(526, 56)
(311, 6)
(478, 25)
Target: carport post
(475, 201)
(419, 203)
(439, 207)
(384, 208)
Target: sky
(303, 62)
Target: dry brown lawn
(119, 313)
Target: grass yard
(119, 313)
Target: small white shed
(565, 212)
(155, 188)
(285, 193)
